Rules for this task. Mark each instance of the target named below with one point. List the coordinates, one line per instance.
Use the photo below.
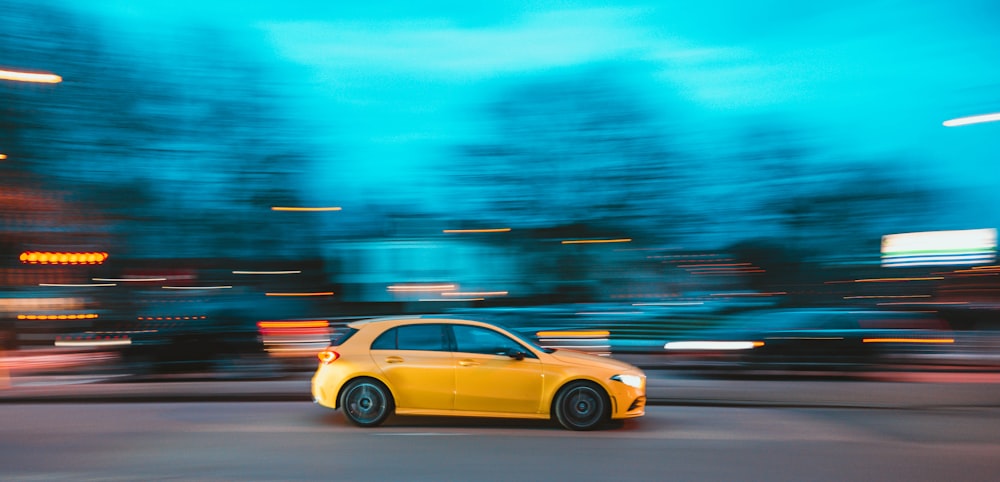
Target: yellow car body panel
(473, 384)
(419, 379)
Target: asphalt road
(219, 441)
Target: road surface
(221, 441)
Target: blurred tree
(177, 136)
(579, 149)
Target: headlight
(634, 381)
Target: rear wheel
(581, 406)
(366, 402)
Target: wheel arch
(602, 389)
(361, 376)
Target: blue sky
(393, 84)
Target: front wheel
(366, 402)
(581, 406)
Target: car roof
(416, 319)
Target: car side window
(475, 339)
(385, 341)
(421, 337)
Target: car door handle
(394, 359)
(468, 363)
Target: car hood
(587, 359)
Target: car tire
(581, 406)
(366, 402)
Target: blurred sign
(936, 248)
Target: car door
(416, 361)
(488, 379)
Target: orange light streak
(29, 77)
(573, 334)
(294, 324)
(48, 257)
(80, 316)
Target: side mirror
(516, 354)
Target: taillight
(327, 356)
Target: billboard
(939, 248)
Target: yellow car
(440, 366)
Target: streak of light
(579, 347)
(712, 345)
(120, 332)
(973, 119)
(216, 287)
(573, 334)
(269, 272)
(596, 241)
(911, 303)
(304, 293)
(771, 293)
(451, 299)
(129, 280)
(125, 341)
(77, 285)
(422, 288)
(489, 230)
(475, 293)
(305, 209)
(891, 280)
(297, 340)
(47, 257)
(908, 340)
(75, 316)
(171, 318)
(294, 324)
(29, 77)
(867, 297)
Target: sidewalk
(663, 388)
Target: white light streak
(29, 77)
(77, 285)
(711, 345)
(221, 287)
(129, 280)
(93, 342)
(974, 119)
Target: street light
(29, 77)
